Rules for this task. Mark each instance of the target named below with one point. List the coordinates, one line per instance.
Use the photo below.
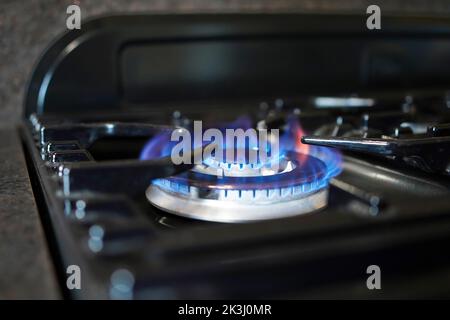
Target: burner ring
(306, 170)
(193, 194)
(234, 212)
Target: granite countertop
(26, 270)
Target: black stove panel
(389, 205)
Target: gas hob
(363, 175)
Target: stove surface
(363, 179)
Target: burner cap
(243, 193)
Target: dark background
(28, 26)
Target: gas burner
(100, 162)
(239, 192)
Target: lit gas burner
(243, 193)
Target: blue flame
(158, 146)
(328, 167)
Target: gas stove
(363, 161)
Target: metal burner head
(221, 192)
(244, 168)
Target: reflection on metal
(236, 211)
(338, 102)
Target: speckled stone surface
(26, 270)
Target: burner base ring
(233, 211)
